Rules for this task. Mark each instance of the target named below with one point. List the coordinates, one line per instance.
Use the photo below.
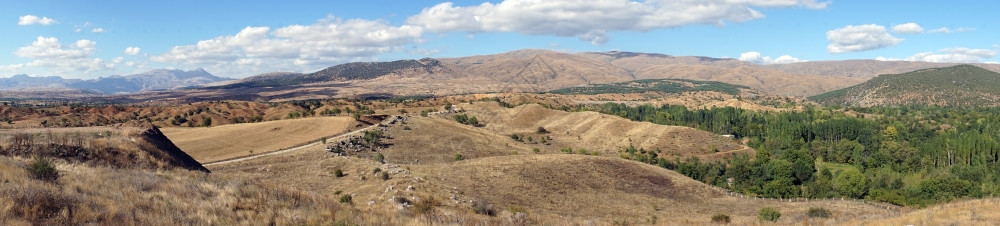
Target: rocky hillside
(962, 85)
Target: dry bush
(35, 203)
(721, 219)
(482, 206)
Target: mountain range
(517, 71)
(543, 70)
(160, 79)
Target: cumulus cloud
(591, 20)
(947, 30)
(50, 48)
(72, 60)
(296, 47)
(756, 57)
(97, 30)
(32, 19)
(859, 38)
(954, 55)
(132, 50)
(908, 28)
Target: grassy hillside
(655, 85)
(962, 85)
(139, 147)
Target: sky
(91, 39)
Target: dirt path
(338, 137)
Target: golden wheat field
(210, 144)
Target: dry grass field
(520, 185)
(967, 212)
(597, 132)
(551, 187)
(209, 144)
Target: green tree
(851, 183)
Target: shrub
(384, 175)
(473, 121)
(536, 150)
(481, 206)
(338, 173)
(769, 214)
(346, 199)
(819, 212)
(721, 219)
(459, 157)
(380, 158)
(43, 169)
(567, 150)
(542, 130)
(426, 205)
(376, 170)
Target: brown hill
(543, 69)
(774, 82)
(592, 132)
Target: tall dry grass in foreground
(86, 194)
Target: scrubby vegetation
(817, 212)
(43, 169)
(721, 219)
(465, 119)
(769, 214)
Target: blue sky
(82, 39)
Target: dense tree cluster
(901, 155)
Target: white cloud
(132, 50)
(947, 30)
(592, 20)
(908, 28)
(756, 57)
(954, 55)
(32, 19)
(294, 48)
(859, 38)
(97, 30)
(50, 48)
(73, 60)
